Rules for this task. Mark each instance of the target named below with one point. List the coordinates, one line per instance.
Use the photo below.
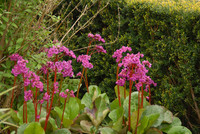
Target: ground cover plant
(50, 107)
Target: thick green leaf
(87, 100)
(179, 130)
(165, 127)
(117, 117)
(99, 111)
(114, 104)
(21, 129)
(134, 118)
(134, 103)
(116, 114)
(107, 130)
(34, 128)
(51, 125)
(72, 109)
(153, 131)
(66, 121)
(155, 109)
(86, 126)
(121, 90)
(61, 131)
(30, 113)
(146, 122)
(168, 117)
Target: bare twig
(88, 22)
(83, 13)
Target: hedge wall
(168, 34)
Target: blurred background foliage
(167, 32)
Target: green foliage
(166, 32)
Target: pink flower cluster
(133, 69)
(15, 57)
(96, 37)
(66, 93)
(85, 61)
(58, 49)
(118, 53)
(29, 76)
(100, 49)
(63, 67)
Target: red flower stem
(25, 105)
(149, 94)
(63, 113)
(86, 80)
(40, 110)
(60, 87)
(47, 117)
(142, 96)
(129, 104)
(13, 91)
(138, 112)
(47, 89)
(118, 85)
(35, 101)
(89, 47)
(79, 85)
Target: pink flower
(120, 82)
(72, 93)
(28, 95)
(145, 62)
(90, 35)
(96, 37)
(15, 57)
(100, 49)
(63, 95)
(46, 97)
(85, 61)
(79, 74)
(56, 87)
(118, 53)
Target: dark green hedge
(168, 35)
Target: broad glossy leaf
(117, 117)
(86, 125)
(87, 100)
(72, 109)
(179, 130)
(121, 90)
(99, 111)
(30, 113)
(51, 125)
(107, 130)
(61, 131)
(153, 131)
(21, 129)
(116, 114)
(34, 128)
(155, 109)
(146, 122)
(134, 103)
(165, 127)
(114, 104)
(134, 118)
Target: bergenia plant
(133, 71)
(84, 59)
